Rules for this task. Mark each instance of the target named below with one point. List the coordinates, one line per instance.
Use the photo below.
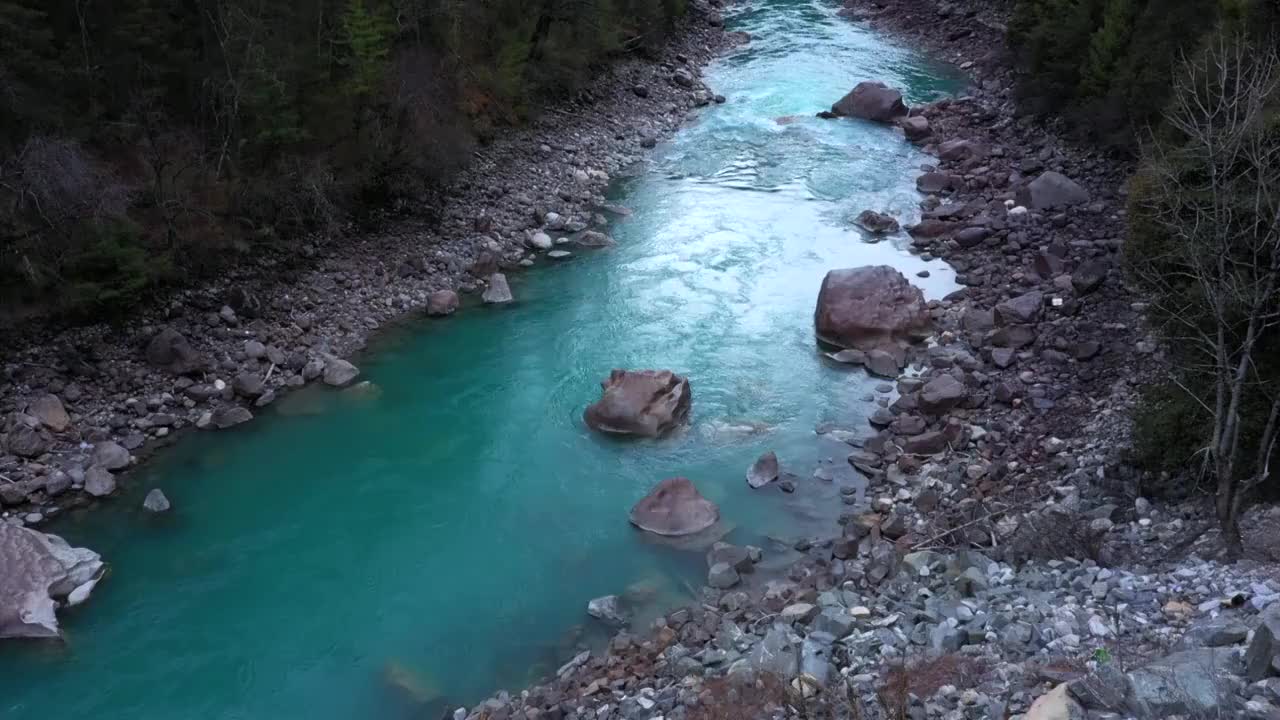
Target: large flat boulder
(1190, 683)
(1052, 190)
(640, 402)
(870, 307)
(674, 508)
(36, 570)
(871, 100)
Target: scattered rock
(498, 292)
(49, 411)
(1260, 660)
(722, 576)
(110, 455)
(1052, 190)
(338, 372)
(98, 481)
(441, 303)
(915, 128)
(229, 416)
(156, 501)
(169, 350)
(941, 394)
(27, 442)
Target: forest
(1107, 66)
(147, 143)
(1190, 89)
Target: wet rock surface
(872, 307)
(37, 573)
(646, 403)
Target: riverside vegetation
(147, 144)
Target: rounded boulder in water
(674, 508)
(640, 402)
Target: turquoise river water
(395, 556)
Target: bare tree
(1215, 197)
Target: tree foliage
(1108, 64)
(1205, 243)
(190, 131)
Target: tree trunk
(1229, 521)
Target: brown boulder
(868, 308)
(915, 128)
(640, 402)
(48, 409)
(673, 508)
(871, 101)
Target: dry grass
(765, 696)
(922, 678)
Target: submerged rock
(763, 471)
(35, 570)
(871, 100)
(413, 686)
(498, 292)
(607, 609)
(869, 307)
(674, 508)
(595, 239)
(722, 575)
(339, 372)
(156, 501)
(640, 402)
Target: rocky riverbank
(1005, 565)
(83, 404)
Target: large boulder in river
(35, 570)
(1051, 190)
(763, 471)
(877, 222)
(869, 307)
(673, 508)
(871, 100)
(640, 402)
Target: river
(447, 533)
